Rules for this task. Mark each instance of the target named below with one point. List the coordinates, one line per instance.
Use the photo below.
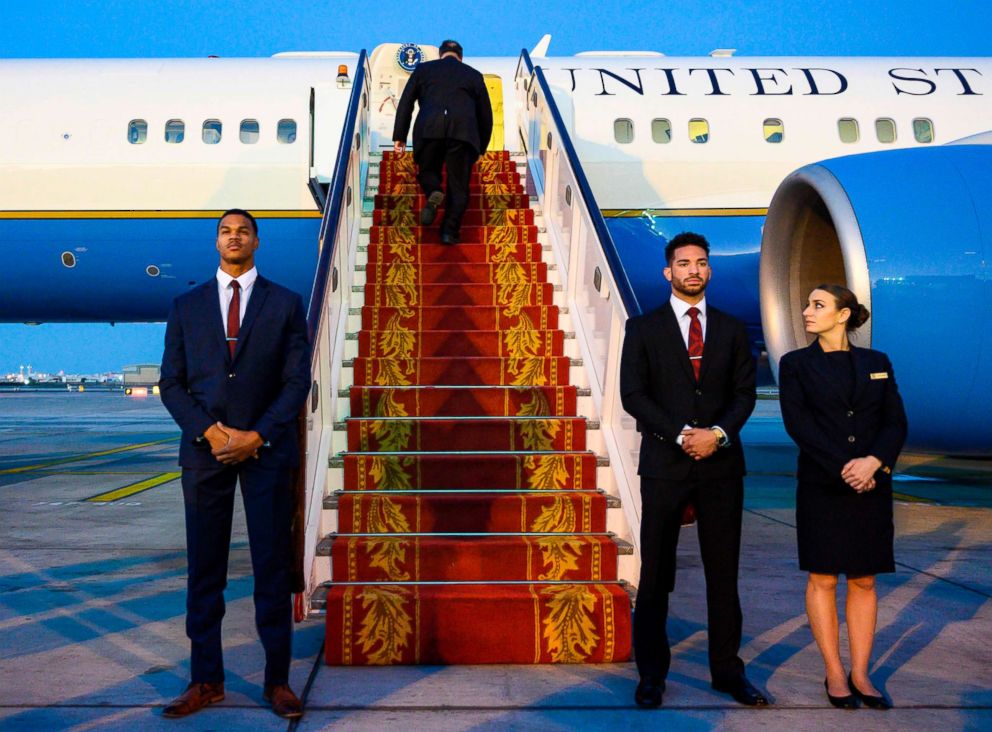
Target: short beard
(678, 287)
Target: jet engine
(910, 233)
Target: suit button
(699, 392)
(850, 438)
(230, 376)
(850, 413)
(695, 422)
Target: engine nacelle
(910, 233)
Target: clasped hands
(859, 473)
(699, 443)
(231, 446)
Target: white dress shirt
(226, 292)
(681, 308)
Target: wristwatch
(721, 437)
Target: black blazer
(454, 104)
(658, 388)
(261, 389)
(832, 428)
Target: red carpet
(467, 467)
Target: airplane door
(328, 106)
(391, 65)
(494, 84)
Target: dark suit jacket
(822, 420)
(261, 389)
(658, 388)
(454, 104)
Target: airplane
(874, 172)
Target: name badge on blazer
(879, 375)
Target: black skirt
(843, 532)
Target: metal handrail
(627, 295)
(335, 195)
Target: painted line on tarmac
(912, 499)
(86, 456)
(130, 490)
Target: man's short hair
(685, 239)
(238, 212)
(449, 46)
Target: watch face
(409, 56)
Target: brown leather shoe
(284, 702)
(196, 697)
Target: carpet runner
(470, 527)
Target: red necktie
(234, 317)
(695, 341)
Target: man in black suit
(452, 130)
(235, 373)
(687, 375)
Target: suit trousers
(209, 502)
(719, 507)
(457, 157)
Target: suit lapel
(259, 291)
(674, 335)
(861, 367)
(211, 306)
(711, 338)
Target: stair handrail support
(598, 293)
(328, 311)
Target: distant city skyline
(123, 28)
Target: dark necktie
(695, 341)
(234, 317)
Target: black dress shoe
(742, 691)
(841, 702)
(429, 212)
(449, 239)
(872, 702)
(649, 691)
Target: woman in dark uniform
(841, 406)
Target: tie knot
(693, 312)
(235, 285)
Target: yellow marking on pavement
(911, 499)
(86, 456)
(130, 490)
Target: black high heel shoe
(872, 702)
(841, 702)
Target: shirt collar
(681, 307)
(246, 280)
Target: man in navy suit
(452, 129)
(687, 375)
(235, 373)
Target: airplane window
(847, 128)
(623, 131)
(249, 131)
(286, 131)
(699, 130)
(175, 131)
(923, 130)
(661, 131)
(212, 129)
(137, 131)
(885, 130)
(773, 130)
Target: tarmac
(92, 604)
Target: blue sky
(181, 28)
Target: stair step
(384, 512)
(467, 471)
(552, 371)
(454, 401)
(472, 217)
(472, 557)
(459, 343)
(453, 317)
(548, 433)
(454, 294)
(481, 272)
(414, 201)
(426, 253)
(495, 235)
(575, 622)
